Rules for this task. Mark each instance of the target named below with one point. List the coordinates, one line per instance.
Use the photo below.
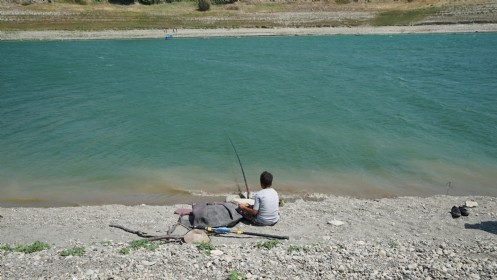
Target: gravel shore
(240, 32)
(330, 238)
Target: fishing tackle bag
(218, 214)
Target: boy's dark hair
(266, 179)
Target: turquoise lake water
(147, 121)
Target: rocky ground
(477, 13)
(330, 238)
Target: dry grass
(102, 16)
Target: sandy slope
(201, 33)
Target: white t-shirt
(267, 202)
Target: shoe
(455, 212)
(464, 211)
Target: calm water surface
(147, 121)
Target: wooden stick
(165, 237)
(148, 236)
(137, 232)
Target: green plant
(6, 248)
(35, 247)
(392, 244)
(296, 248)
(235, 275)
(106, 243)
(341, 246)
(74, 251)
(26, 2)
(27, 249)
(293, 248)
(125, 251)
(204, 5)
(137, 244)
(205, 247)
(342, 1)
(268, 244)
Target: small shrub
(235, 275)
(35, 247)
(268, 244)
(121, 2)
(26, 2)
(392, 244)
(148, 2)
(205, 247)
(341, 246)
(137, 244)
(27, 249)
(342, 1)
(124, 251)
(295, 248)
(75, 251)
(222, 2)
(6, 248)
(106, 243)
(204, 5)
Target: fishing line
(233, 167)
(241, 167)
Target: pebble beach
(329, 238)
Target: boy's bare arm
(246, 208)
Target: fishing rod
(227, 230)
(243, 172)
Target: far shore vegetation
(94, 15)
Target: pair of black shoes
(457, 212)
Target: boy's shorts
(252, 219)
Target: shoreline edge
(244, 32)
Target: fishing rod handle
(218, 230)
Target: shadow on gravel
(489, 226)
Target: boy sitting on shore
(265, 211)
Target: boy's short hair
(266, 179)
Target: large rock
(471, 203)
